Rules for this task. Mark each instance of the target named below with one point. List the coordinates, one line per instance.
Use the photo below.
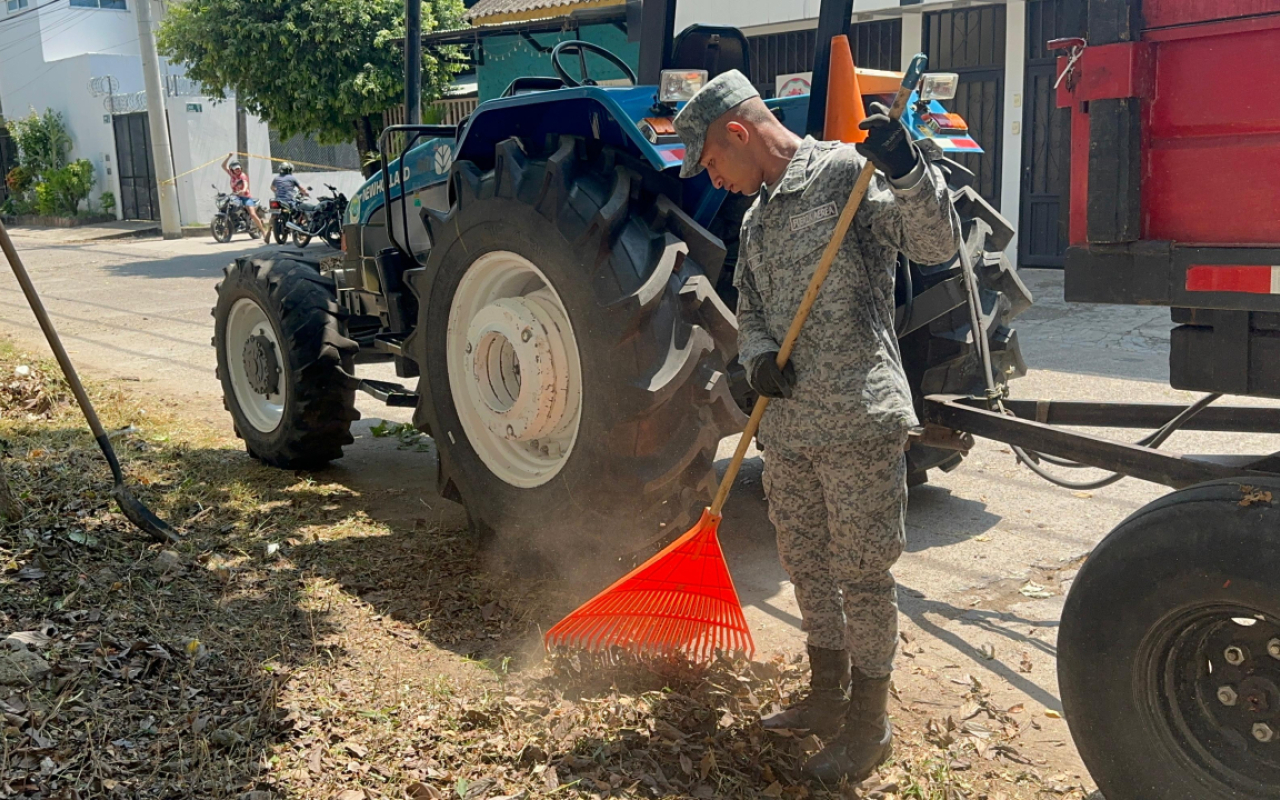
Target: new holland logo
(812, 217)
(443, 158)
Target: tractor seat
(531, 84)
(715, 48)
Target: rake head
(681, 602)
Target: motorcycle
(323, 220)
(232, 218)
(284, 212)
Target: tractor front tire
(283, 361)
(573, 355)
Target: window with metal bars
(876, 45)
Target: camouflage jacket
(850, 384)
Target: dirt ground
(336, 635)
(296, 644)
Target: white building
(1006, 93)
(80, 58)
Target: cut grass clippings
(294, 646)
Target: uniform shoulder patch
(813, 216)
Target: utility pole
(413, 62)
(161, 153)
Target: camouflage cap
(719, 95)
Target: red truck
(1169, 649)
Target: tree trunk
(366, 143)
(10, 509)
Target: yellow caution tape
(329, 167)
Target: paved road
(138, 311)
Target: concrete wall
(347, 182)
(509, 57)
(67, 31)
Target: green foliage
(108, 202)
(64, 188)
(326, 68)
(43, 141)
(18, 180)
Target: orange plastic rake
(682, 601)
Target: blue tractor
(565, 301)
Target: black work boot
(865, 738)
(821, 711)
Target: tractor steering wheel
(582, 48)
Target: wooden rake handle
(851, 206)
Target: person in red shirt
(240, 189)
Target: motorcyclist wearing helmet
(285, 185)
(240, 190)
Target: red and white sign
(793, 84)
(1232, 278)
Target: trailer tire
(276, 326)
(635, 338)
(1146, 648)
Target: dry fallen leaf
(1051, 714)
(773, 790)
(708, 763)
(1035, 591)
(1253, 495)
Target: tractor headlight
(678, 85)
(939, 86)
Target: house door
(970, 41)
(139, 196)
(1046, 144)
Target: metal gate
(970, 41)
(876, 45)
(1046, 142)
(139, 196)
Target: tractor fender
(609, 116)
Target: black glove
(887, 146)
(768, 380)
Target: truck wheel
(281, 360)
(573, 354)
(941, 357)
(1169, 653)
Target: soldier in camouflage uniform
(835, 472)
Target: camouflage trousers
(839, 511)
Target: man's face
(236, 170)
(729, 160)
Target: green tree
(326, 68)
(43, 142)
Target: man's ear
(738, 132)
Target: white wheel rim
(247, 321)
(514, 369)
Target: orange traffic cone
(844, 99)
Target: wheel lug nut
(526, 335)
(1262, 732)
(511, 432)
(1235, 656)
(1273, 649)
(1227, 696)
(468, 348)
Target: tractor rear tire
(1169, 651)
(941, 357)
(283, 361)
(638, 317)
